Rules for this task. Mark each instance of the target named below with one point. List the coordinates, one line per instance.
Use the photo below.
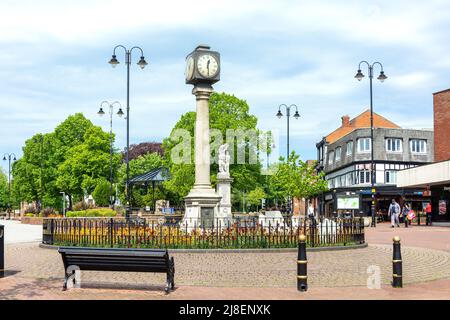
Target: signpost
(348, 201)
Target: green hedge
(101, 212)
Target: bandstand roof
(156, 175)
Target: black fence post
(397, 272)
(302, 274)
(312, 231)
(52, 231)
(2, 251)
(111, 226)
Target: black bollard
(2, 251)
(302, 277)
(397, 273)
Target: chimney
(345, 121)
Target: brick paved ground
(332, 274)
(414, 236)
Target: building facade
(435, 178)
(345, 157)
(441, 106)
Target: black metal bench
(112, 259)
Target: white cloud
(54, 61)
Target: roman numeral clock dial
(207, 66)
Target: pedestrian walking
(428, 213)
(394, 212)
(311, 211)
(405, 214)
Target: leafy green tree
(3, 190)
(102, 193)
(70, 159)
(34, 173)
(295, 178)
(255, 196)
(85, 163)
(70, 133)
(226, 112)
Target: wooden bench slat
(115, 257)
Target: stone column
(202, 201)
(202, 149)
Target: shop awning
(425, 176)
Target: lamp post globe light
(141, 63)
(288, 115)
(8, 157)
(359, 76)
(120, 114)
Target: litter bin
(47, 231)
(2, 250)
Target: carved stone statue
(224, 159)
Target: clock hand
(207, 66)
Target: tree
(226, 112)
(70, 133)
(3, 190)
(143, 148)
(102, 193)
(70, 159)
(295, 178)
(85, 163)
(34, 173)
(255, 196)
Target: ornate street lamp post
(120, 114)
(288, 115)
(359, 76)
(141, 63)
(9, 156)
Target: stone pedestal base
(202, 208)
(224, 216)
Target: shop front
(435, 178)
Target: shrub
(79, 206)
(47, 212)
(31, 210)
(99, 212)
(101, 193)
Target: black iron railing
(217, 234)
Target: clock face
(207, 65)
(189, 68)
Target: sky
(54, 63)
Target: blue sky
(54, 62)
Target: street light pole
(359, 76)
(8, 156)
(142, 63)
(120, 114)
(288, 115)
(64, 203)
